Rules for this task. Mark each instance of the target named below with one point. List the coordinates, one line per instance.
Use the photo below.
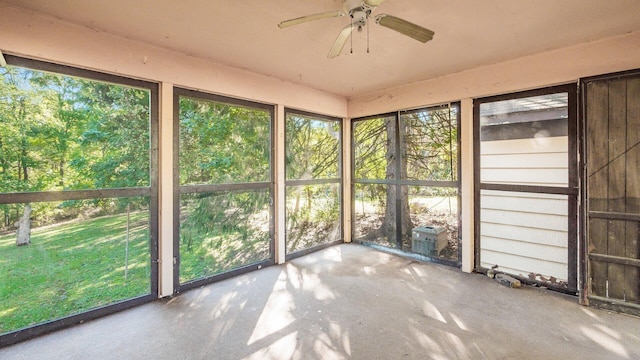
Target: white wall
(544, 69)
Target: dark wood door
(612, 175)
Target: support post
(346, 182)
(165, 243)
(467, 185)
(280, 188)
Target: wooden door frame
(612, 305)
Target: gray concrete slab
(349, 302)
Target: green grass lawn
(72, 267)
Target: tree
(376, 157)
(312, 153)
(419, 145)
(65, 133)
(223, 143)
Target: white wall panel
(522, 266)
(526, 146)
(525, 220)
(532, 250)
(524, 233)
(525, 202)
(548, 160)
(517, 233)
(523, 176)
(533, 161)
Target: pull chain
(367, 35)
(351, 35)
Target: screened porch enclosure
(79, 165)
(224, 187)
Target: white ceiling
(243, 34)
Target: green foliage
(64, 133)
(419, 145)
(222, 231)
(430, 144)
(72, 267)
(313, 216)
(370, 146)
(312, 153)
(222, 143)
(312, 148)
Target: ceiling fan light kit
(359, 11)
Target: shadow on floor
(349, 302)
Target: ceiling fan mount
(359, 11)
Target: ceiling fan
(359, 11)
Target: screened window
(406, 182)
(78, 194)
(224, 188)
(313, 186)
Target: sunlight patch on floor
(282, 348)
(431, 311)
(605, 340)
(308, 281)
(276, 314)
(459, 322)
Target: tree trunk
(23, 235)
(406, 225)
(61, 172)
(395, 204)
(389, 224)
(25, 166)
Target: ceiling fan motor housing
(351, 5)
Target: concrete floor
(349, 302)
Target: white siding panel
(534, 161)
(525, 176)
(556, 160)
(526, 249)
(558, 144)
(523, 195)
(525, 233)
(514, 202)
(526, 220)
(530, 235)
(521, 265)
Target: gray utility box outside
(428, 240)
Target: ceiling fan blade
(373, 3)
(304, 19)
(338, 45)
(404, 27)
